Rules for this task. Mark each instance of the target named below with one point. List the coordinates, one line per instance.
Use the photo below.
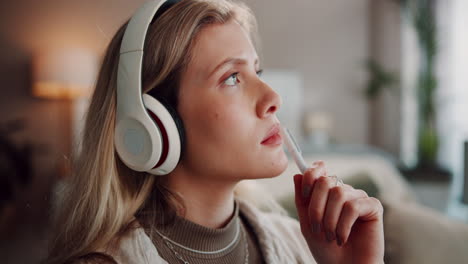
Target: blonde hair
(102, 196)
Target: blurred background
(375, 88)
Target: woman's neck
(207, 203)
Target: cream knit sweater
(280, 240)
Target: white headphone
(147, 137)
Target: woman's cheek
(232, 121)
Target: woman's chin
(271, 168)
(282, 162)
(280, 167)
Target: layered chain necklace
(171, 245)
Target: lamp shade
(64, 74)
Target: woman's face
(227, 110)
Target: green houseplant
(424, 23)
(422, 16)
(379, 79)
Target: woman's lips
(273, 137)
(273, 140)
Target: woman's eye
(259, 73)
(231, 80)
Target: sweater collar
(190, 234)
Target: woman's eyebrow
(231, 61)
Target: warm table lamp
(68, 77)
(65, 74)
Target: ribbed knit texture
(202, 238)
(279, 238)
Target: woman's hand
(340, 224)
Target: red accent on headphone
(165, 145)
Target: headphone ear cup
(138, 142)
(170, 135)
(178, 121)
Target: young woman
(200, 57)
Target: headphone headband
(131, 55)
(135, 33)
(142, 143)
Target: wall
(452, 98)
(327, 42)
(385, 48)
(33, 27)
(46, 123)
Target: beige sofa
(413, 233)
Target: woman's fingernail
(311, 169)
(316, 228)
(330, 236)
(306, 191)
(339, 241)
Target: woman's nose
(269, 102)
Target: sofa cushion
(418, 234)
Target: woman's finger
(337, 197)
(303, 185)
(318, 201)
(302, 205)
(366, 209)
(317, 170)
